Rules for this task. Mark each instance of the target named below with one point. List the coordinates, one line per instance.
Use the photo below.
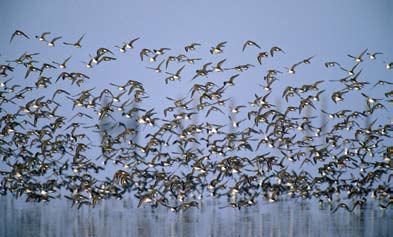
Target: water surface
(121, 218)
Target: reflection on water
(120, 218)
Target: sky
(329, 30)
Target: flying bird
(250, 43)
(77, 44)
(42, 36)
(51, 43)
(18, 33)
(218, 48)
(373, 56)
(63, 64)
(358, 58)
(260, 56)
(275, 49)
(158, 68)
(130, 44)
(191, 47)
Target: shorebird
(260, 56)
(63, 64)
(130, 44)
(359, 57)
(388, 65)
(373, 56)
(331, 64)
(160, 51)
(250, 43)
(191, 47)
(275, 49)
(18, 33)
(351, 71)
(158, 68)
(42, 36)
(218, 67)
(218, 48)
(144, 53)
(174, 76)
(77, 44)
(51, 43)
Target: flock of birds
(106, 145)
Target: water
(121, 218)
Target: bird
(338, 96)
(174, 76)
(275, 49)
(101, 51)
(382, 82)
(192, 60)
(51, 43)
(331, 64)
(291, 70)
(63, 64)
(260, 56)
(203, 71)
(46, 66)
(218, 67)
(144, 52)
(59, 91)
(77, 44)
(308, 60)
(342, 205)
(235, 124)
(373, 56)
(122, 49)
(231, 82)
(130, 44)
(236, 109)
(88, 64)
(317, 96)
(42, 36)
(213, 108)
(370, 100)
(105, 59)
(388, 65)
(18, 33)
(218, 48)
(191, 47)
(158, 68)
(383, 206)
(351, 71)
(250, 43)
(358, 58)
(243, 67)
(160, 51)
